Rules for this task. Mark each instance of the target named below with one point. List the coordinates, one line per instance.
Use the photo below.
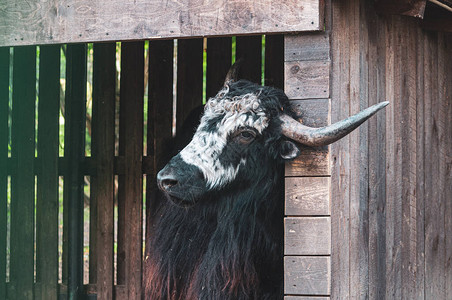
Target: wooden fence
(30, 147)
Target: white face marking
(206, 147)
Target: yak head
(245, 132)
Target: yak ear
(288, 150)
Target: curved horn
(314, 137)
(233, 72)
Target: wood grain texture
(131, 183)
(307, 196)
(307, 236)
(307, 79)
(310, 162)
(23, 179)
(312, 112)
(47, 186)
(4, 108)
(307, 47)
(103, 151)
(35, 22)
(307, 275)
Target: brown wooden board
(189, 78)
(310, 162)
(307, 47)
(307, 196)
(23, 179)
(74, 152)
(307, 275)
(274, 61)
(312, 112)
(86, 21)
(160, 122)
(448, 155)
(103, 150)
(4, 109)
(307, 236)
(130, 216)
(47, 205)
(410, 8)
(307, 79)
(219, 57)
(249, 48)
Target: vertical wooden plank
(434, 218)
(274, 61)
(131, 147)
(23, 179)
(103, 150)
(219, 52)
(250, 49)
(160, 118)
(4, 108)
(340, 158)
(189, 78)
(74, 153)
(377, 158)
(47, 192)
(448, 153)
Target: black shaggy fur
(228, 245)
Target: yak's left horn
(233, 72)
(315, 137)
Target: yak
(218, 234)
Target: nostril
(168, 183)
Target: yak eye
(245, 136)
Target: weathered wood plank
(160, 119)
(307, 275)
(47, 190)
(23, 179)
(130, 184)
(4, 111)
(410, 8)
(249, 48)
(25, 22)
(274, 61)
(448, 156)
(310, 162)
(74, 152)
(307, 236)
(189, 78)
(377, 158)
(307, 47)
(307, 79)
(312, 112)
(219, 56)
(340, 158)
(103, 151)
(307, 196)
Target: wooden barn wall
(391, 180)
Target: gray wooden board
(312, 112)
(310, 46)
(307, 236)
(307, 275)
(69, 21)
(307, 196)
(307, 79)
